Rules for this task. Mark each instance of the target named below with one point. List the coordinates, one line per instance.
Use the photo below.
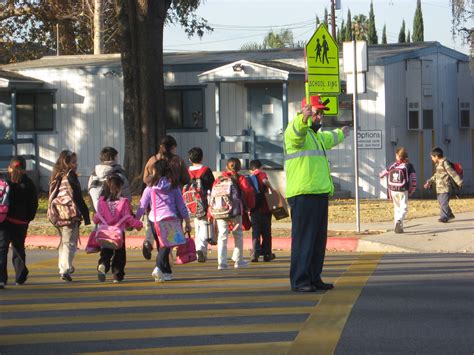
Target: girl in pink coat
(114, 209)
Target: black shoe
(451, 216)
(304, 289)
(146, 249)
(399, 227)
(201, 258)
(322, 286)
(254, 259)
(101, 276)
(66, 277)
(269, 257)
(71, 270)
(443, 220)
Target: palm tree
(360, 27)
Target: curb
(135, 242)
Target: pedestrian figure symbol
(318, 50)
(325, 49)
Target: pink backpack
(186, 253)
(4, 191)
(109, 236)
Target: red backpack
(4, 192)
(193, 195)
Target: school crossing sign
(322, 63)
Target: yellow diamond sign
(332, 103)
(322, 63)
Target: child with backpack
(260, 215)
(114, 210)
(231, 195)
(108, 166)
(66, 210)
(19, 195)
(195, 195)
(163, 195)
(443, 179)
(401, 184)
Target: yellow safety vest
(306, 164)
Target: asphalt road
(381, 304)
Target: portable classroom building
(238, 103)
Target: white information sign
(369, 139)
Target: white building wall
(88, 117)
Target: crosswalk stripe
(277, 347)
(259, 293)
(65, 337)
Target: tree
(30, 28)
(462, 11)
(348, 36)
(360, 27)
(318, 21)
(372, 31)
(418, 30)
(408, 37)
(326, 17)
(384, 34)
(282, 39)
(341, 32)
(401, 35)
(141, 25)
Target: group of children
(227, 200)
(401, 181)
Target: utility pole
(333, 18)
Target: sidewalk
(422, 235)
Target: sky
(237, 22)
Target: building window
(184, 108)
(413, 116)
(464, 113)
(428, 119)
(34, 112)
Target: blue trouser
(445, 210)
(309, 227)
(163, 256)
(261, 226)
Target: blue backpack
(258, 192)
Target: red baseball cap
(315, 102)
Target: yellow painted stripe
(323, 328)
(280, 347)
(107, 335)
(103, 318)
(38, 307)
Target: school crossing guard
(203, 310)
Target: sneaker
(66, 277)
(399, 227)
(222, 267)
(117, 281)
(451, 216)
(269, 257)
(167, 277)
(157, 274)
(200, 256)
(146, 249)
(2, 285)
(254, 259)
(243, 263)
(101, 273)
(443, 220)
(71, 270)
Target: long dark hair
(112, 188)
(17, 168)
(63, 164)
(166, 145)
(162, 168)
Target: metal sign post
(356, 145)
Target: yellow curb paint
(322, 330)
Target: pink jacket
(122, 210)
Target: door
(265, 109)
